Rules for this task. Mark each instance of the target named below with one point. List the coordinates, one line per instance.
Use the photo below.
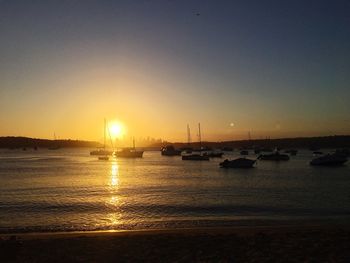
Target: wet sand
(234, 244)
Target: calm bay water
(69, 190)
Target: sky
(269, 68)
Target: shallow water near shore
(69, 190)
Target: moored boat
(169, 150)
(128, 153)
(333, 159)
(102, 151)
(195, 157)
(238, 163)
(214, 154)
(276, 156)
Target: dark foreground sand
(235, 244)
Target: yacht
(102, 151)
(196, 156)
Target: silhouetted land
(20, 142)
(304, 142)
(342, 141)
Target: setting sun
(116, 130)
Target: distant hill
(20, 142)
(338, 141)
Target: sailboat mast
(188, 135)
(133, 142)
(199, 136)
(104, 135)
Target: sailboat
(196, 156)
(129, 152)
(103, 151)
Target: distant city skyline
(269, 68)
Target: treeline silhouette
(337, 141)
(20, 142)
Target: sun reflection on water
(114, 182)
(114, 217)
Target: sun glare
(116, 130)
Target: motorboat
(333, 159)
(169, 150)
(195, 157)
(103, 158)
(276, 156)
(238, 163)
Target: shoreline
(207, 225)
(291, 243)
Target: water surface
(69, 190)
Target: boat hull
(195, 157)
(238, 163)
(329, 160)
(136, 154)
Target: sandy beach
(235, 244)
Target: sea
(68, 190)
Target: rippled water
(68, 190)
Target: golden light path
(114, 218)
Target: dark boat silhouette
(238, 163)
(333, 159)
(214, 154)
(129, 152)
(196, 156)
(102, 151)
(276, 156)
(169, 150)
